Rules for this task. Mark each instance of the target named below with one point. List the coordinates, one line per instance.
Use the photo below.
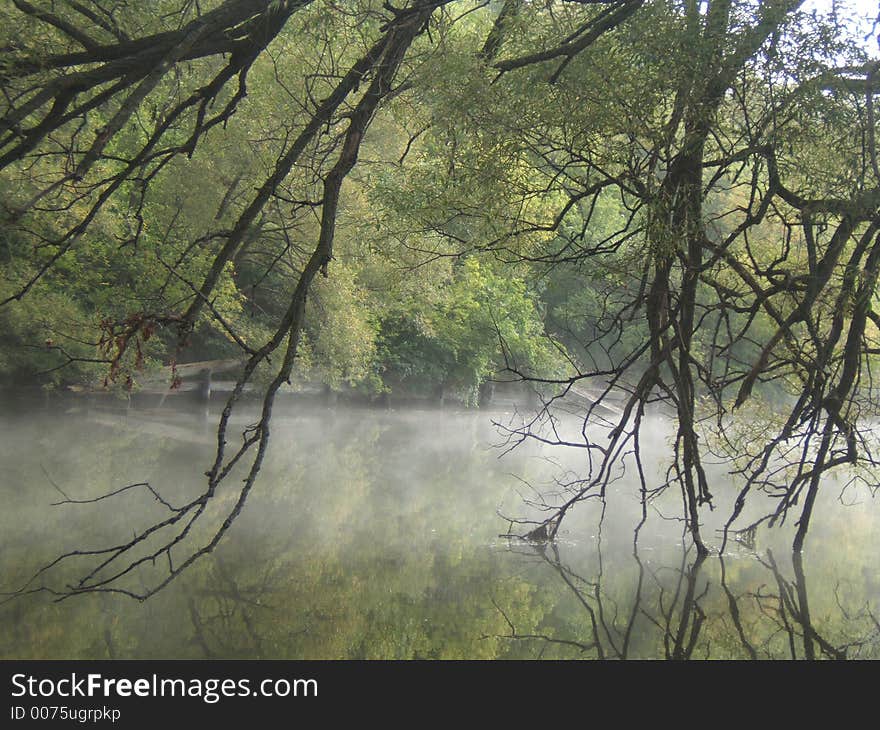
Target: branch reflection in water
(375, 538)
(724, 607)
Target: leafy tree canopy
(679, 197)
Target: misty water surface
(376, 535)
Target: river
(375, 535)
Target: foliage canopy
(680, 198)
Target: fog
(377, 534)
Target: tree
(113, 79)
(745, 245)
(696, 159)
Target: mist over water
(376, 534)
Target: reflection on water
(375, 535)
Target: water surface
(375, 535)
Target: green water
(375, 535)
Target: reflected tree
(617, 631)
(789, 609)
(683, 612)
